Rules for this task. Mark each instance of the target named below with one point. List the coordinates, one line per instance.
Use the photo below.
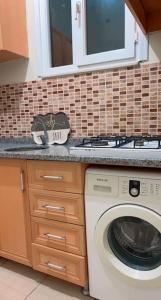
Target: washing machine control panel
(125, 187)
(141, 187)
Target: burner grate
(105, 141)
(141, 141)
(131, 142)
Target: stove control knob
(134, 192)
(134, 188)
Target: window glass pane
(135, 242)
(61, 32)
(105, 25)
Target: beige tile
(52, 288)
(17, 281)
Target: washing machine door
(128, 238)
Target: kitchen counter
(117, 157)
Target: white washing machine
(123, 223)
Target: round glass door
(135, 242)
(128, 239)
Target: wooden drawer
(57, 176)
(60, 264)
(62, 236)
(57, 206)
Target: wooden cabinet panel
(58, 235)
(15, 228)
(58, 206)
(147, 13)
(60, 264)
(57, 176)
(13, 32)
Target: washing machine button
(134, 188)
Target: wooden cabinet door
(14, 212)
(13, 31)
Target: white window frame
(80, 34)
(136, 45)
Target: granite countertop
(135, 158)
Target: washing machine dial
(134, 192)
(134, 188)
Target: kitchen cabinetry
(49, 195)
(15, 242)
(57, 217)
(13, 33)
(147, 13)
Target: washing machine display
(135, 242)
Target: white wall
(155, 47)
(25, 70)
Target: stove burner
(140, 143)
(100, 143)
(147, 142)
(103, 142)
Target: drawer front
(57, 176)
(60, 264)
(57, 206)
(58, 235)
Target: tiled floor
(18, 282)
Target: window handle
(78, 13)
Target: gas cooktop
(133, 142)
(118, 142)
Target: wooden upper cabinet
(13, 31)
(15, 231)
(147, 13)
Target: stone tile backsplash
(118, 102)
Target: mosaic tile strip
(119, 101)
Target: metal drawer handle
(22, 183)
(56, 208)
(56, 267)
(55, 237)
(55, 178)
